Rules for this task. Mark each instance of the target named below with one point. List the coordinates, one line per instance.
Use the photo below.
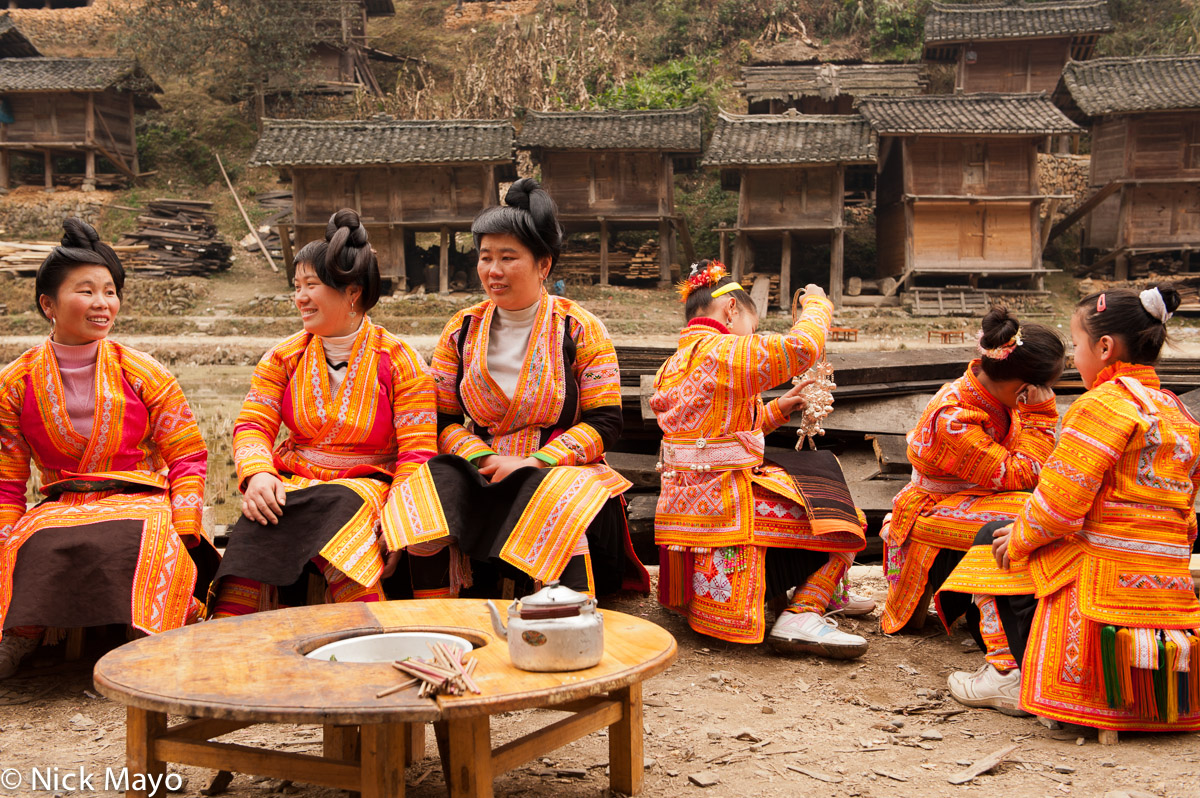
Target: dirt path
(763, 724)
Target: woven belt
(724, 453)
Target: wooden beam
(1084, 209)
(48, 169)
(626, 759)
(603, 251)
(664, 252)
(263, 762)
(724, 237)
(836, 250)
(785, 272)
(444, 262)
(554, 736)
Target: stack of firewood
(22, 259)
(181, 239)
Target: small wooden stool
(948, 336)
(843, 334)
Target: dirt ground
(762, 724)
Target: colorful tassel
(1110, 669)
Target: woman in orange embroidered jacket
(529, 399)
(1107, 625)
(732, 528)
(358, 406)
(122, 465)
(976, 451)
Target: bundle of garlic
(448, 674)
(818, 401)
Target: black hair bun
(999, 326)
(520, 193)
(347, 219)
(1170, 295)
(78, 234)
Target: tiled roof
(788, 82)
(300, 142)
(669, 131)
(962, 22)
(13, 43)
(789, 138)
(75, 74)
(1129, 85)
(995, 114)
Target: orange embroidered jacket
(566, 408)
(381, 420)
(1114, 505)
(967, 443)
(144, 433)
(707, 398)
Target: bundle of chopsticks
(449, 673)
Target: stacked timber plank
(279, 205)
(581, 262)
(181, 240)
(22, 259)
(773, 294)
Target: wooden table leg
(342, 742)
(626, 760)
(414, 751)
(383, 760)
(469, 758)
(142, 729)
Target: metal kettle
(555, 629)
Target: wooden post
(664, 253)
(1121, 268)
(785, 272)
(142, 729)
(48, 166)
(5, 169)
(89, 138)
(724, 236)
(469, 757)
(625, 753)
(603, 251)
(740, 245)
(400, 248)
(836, 249)
(383, 747)
(444, 262)
(341, 742)
(133, 162)
(414, 746)
(285, 245)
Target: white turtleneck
(508, 344)
(337, 356)
(77, 368)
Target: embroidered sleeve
(453, 435)
(414, 412)
(261, 416)
(770, 360)
(1093, 438)
(176, 434)
(14, 451)
(960, 445)
(599, 379)
(773, 417)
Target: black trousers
(1016, 612)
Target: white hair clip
(1155, 305)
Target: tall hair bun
(999, 326)
(1170, 295)
(348, 250)
(518, 195)
(78, 234)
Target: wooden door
(972, 233)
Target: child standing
(1106, 627)
(735, 529)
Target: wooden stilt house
(1144, 115)
(789, 172)
(75, 108)
(403, 177)
(1013, 46)
(825, 88)
(957, 187)
(341, 62)
(13, 43)
(614, 170)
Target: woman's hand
(792, 401)
(1000, 542)
(1035, 394)
(264, 498)
(812, 290)
(390, 559)
(497, 466)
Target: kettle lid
(554, 595)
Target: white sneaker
(13, 649)
(810, 633)
(988, 687)
(857, 605)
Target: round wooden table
(237, 672)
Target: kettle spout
(497, 624)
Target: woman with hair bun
(528, 401)
(358, 406)
(734, 529)
(976, 452)
(1091, 578)
(121, 461)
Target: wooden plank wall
(957, 166)
(795, 198)
(1108, 164)
(1026, 65)
(586, 182)
(428, 195)
(973, 237)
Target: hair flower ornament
(701, 278)
(1000, 352)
